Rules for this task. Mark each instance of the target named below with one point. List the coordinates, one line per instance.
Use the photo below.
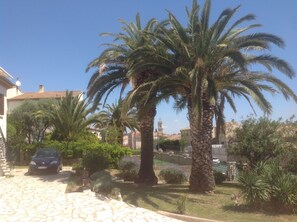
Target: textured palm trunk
(220, 123)
(120, 136)
(146, 174)
(201, 179)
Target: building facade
(5, 85)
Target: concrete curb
(185, 217)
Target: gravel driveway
(39, 198)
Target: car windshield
(46, 153)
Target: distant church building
(160, 128)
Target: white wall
(12, 92)
(3, 118)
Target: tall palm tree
(70, 116)
(114, 117)
(209, 61)
(113, 66)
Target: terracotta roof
(44, 95)
(173, 137)
(188, 128)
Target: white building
(5, 85)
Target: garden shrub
(219, 177)
(116, 152)
(284, 192)
(128, 169)
(166, 144)
(173, 176)
(289, 161)
(255, 191)
(270, 185)
(136, 152)
(101, 156)
(94, 160)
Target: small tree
(70, 117)
(29, 121)
(259, 140)
(113, 121)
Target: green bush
(116, 152)
(219, 177)
(173, 176)
(166, 144)
(101, 156)
(128, 169)
(283, 186)
(284, 192)
(136, 152)
(255, 191)
(94, 160)
(270, 185)
(289, 161)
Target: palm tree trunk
(146, 174)
(220, 122)
(120, 136)
(201, 178)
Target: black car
(46, 160)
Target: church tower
(160, 127)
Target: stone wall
(176, 159)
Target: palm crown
(205, 65)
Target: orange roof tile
(173, 137)
(44, 95)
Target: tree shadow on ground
(155, 196)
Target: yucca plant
(270, 171)
(284, 192)
(181, 204)
(254, 189)
(270, 184)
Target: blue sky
(51, 42)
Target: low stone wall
(176, 159)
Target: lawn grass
(163, 197)
(216, 206)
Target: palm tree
(115, 70)
(209, 62)
(114, 117)
(70, 117)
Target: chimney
(41, 88)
